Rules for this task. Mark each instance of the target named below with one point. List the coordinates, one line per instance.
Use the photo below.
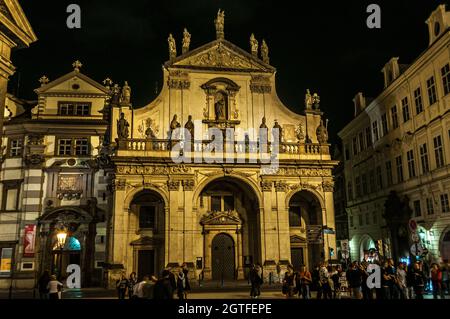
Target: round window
(75, 86)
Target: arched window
(295, 216)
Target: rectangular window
(372, 181)
(361, 141)
(431, 89)
(216, 203)
(365, 185)
(444, 203)
(424, 158)
(355, 146)
(15, 148)
(74, 108)
(368, 137)
(445, 72)
(384, 124)
(390, 180)
(430, 206)
(147, 215)
(411, 164)
(405, 110)
(379, 178)
(394, 116)
(65, 146)
(438, 151)
(228, 203)
(417, 208)
(375, 131)
(399, 164)
(10, 195)
(6, 255)
(418, 100)
(358, 186)
(350, 190)
(82, 146)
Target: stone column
(240, 268)
(174, 235)
(207, 262)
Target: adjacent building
(397, 156)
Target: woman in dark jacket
(256, 281)
(187, 284)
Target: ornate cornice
(266, 186)
(152, 170)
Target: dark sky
(322, 45)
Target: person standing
(256, 281)
(303, 281)
(186, 275)
(132, 281)
(42, 285)
(149, 288)
(163, 287)
(181, 285)
(54, 288)
(402, 280)
(354, 278)
(324, 282)
(419, 281)
(122, 285)
(289, 282)
(445, 278)
(436, 280)
(138, 292)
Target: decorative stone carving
(328, 186)
(260, 84)
(277, 127)
(322, 133)
(221, 218)
(219, 22)
(316, 101)
(265, 52)
(152, 170)
(190, 127)
(34, 160)
(77, 66)
(173, 185)
(301, 186)
(300, 132)
(35, 139)
(44, 80)
(253, 45)
(186, 41)
(172, 47)
(120, 184)
(188, 185)
(174, 124)
(303, 172)
(122, 127)
(266, 186)
(281, 186)
(308, 100)
(126, 94)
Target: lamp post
(61, 237)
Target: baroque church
(109, 173)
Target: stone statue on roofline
(265, 52)
(220, 23)
(254, 45)
(172, 47)
(186, 41)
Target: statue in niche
(173, 126)
(300, 132)
(189, 126)
(149, 132)
(220, 106)
(122, 127)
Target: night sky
(322, 45)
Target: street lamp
(61, 236)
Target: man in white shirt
(138, 291)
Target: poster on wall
(29, 240)
(5, 261)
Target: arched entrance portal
(305, 227)
(223, 257)
(148, 221)
(229, 210)
(367, 249)
(69, 255)
(445, 246)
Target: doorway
(223, 258)
(146, 263)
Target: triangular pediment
(73, 83)
(14, 23)
(221, 218)
(220, 55)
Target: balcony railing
(163, 147)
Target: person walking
(54, 288)
(138, 290)
(419, 281)
(42, 285)
(163, 287)
(122, 285)
(303, 282)
(436, 280)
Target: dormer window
(74, 108)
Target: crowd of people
(166, 287)
(390, 282)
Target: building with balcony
(397, 156)
(197, 183)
